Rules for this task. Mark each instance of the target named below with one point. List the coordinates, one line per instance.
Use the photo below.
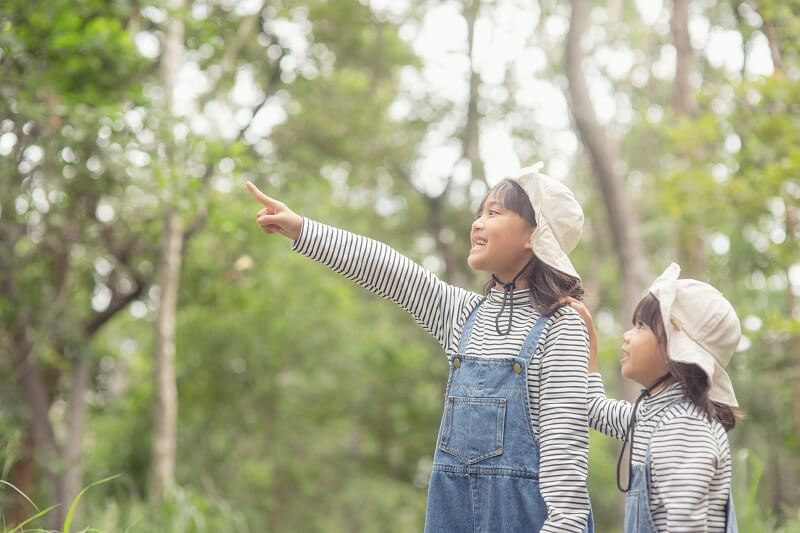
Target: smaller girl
(679, 477)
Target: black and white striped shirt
(558, 394)
(690, 459)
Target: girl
(511, 454)
(679, 477)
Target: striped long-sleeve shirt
(690, 458)
(558, 394)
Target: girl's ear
(529, 234)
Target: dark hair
(548, 287)
(694, 380)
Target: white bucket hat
(701, 327)
(559, 218)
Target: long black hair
(548, 287)
(693, 379)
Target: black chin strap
(508, 288)
(629, 433)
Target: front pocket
(473, 429)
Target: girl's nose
(477, 223)
(626, 337)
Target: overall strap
(529, 346)
(467, 331)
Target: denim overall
(637, 503)
(485, 475)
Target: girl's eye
(494, 212)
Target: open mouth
(478, 243)
(624, 358)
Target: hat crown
(555, 205)
(707, 317)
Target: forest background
(151, 331)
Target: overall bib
(485, 475)
(637, 503)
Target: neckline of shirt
(520, 296)
(658, 401)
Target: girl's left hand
(587, 318)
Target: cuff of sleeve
(301, 242)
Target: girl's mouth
(478, 244)
(625, 357)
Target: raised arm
(606, 415)
(373, 265)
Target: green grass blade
(32, 518)
(71, 512)
(20, 492)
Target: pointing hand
(275, 217)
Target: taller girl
(512, 449)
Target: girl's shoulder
(565, 314)
(565, 319)
(684, 419)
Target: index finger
(260, 196)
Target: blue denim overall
(485, 475)
(637, 503)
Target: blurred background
(151, 331)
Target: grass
(68, 519)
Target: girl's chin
(625, 370)
(476, 263)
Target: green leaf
(71, 512)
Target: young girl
(684, 333)
(511, 454)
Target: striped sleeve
(683, 462)
(563, 430)
(382, 270)
(610, 417)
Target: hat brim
(546, 248)
(683, 349)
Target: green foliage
(70, 51)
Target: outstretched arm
(373, 265)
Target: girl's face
(500, 240)
(643, 359)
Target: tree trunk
(681, 91)
(21, 476)
(37, 400)
(691, 252)
(72, 476)
(605, 163)
(166, 393)
(792, 224)
(774, 43)
(454, 271)
(472, 141)
(622, 219)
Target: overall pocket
(473, 428)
